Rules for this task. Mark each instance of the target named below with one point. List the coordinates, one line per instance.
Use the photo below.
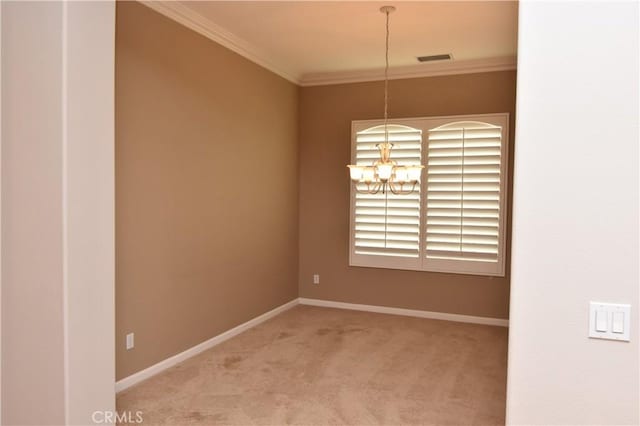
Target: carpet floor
(321, 366)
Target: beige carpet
(320, 366)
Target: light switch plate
(609, 321)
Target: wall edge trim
(470, 66)
(167, 363)
(196, 22)
(187, 17)
(443, 316)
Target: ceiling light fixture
(385, 174)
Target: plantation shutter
(463, 179)
(388, 224)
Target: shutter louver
(463, 192)
(388, 224)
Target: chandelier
(385, 174)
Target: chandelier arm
(402, 191)
(358, 190)
(368, 190)
(413, 188)
(392, 187)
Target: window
(455, 219)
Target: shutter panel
(388, 224)
(463, 192)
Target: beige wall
(200, 247)
(326, 113)
(576, 214)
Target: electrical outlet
(316, 278)
(130, 343)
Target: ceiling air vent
(431, 58)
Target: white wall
(57, 211)
(0, 214)
(32, 311)
(89, 209)
(576, 215)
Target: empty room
(320, 213)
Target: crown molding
(469, 66)
(184, 15)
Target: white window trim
(422, 263)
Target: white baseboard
(182, 356)
(406, 312)
(170, 362)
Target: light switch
(601, 320)
(617, 322)
(611, 321)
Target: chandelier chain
(386, 77)
(384, 174)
